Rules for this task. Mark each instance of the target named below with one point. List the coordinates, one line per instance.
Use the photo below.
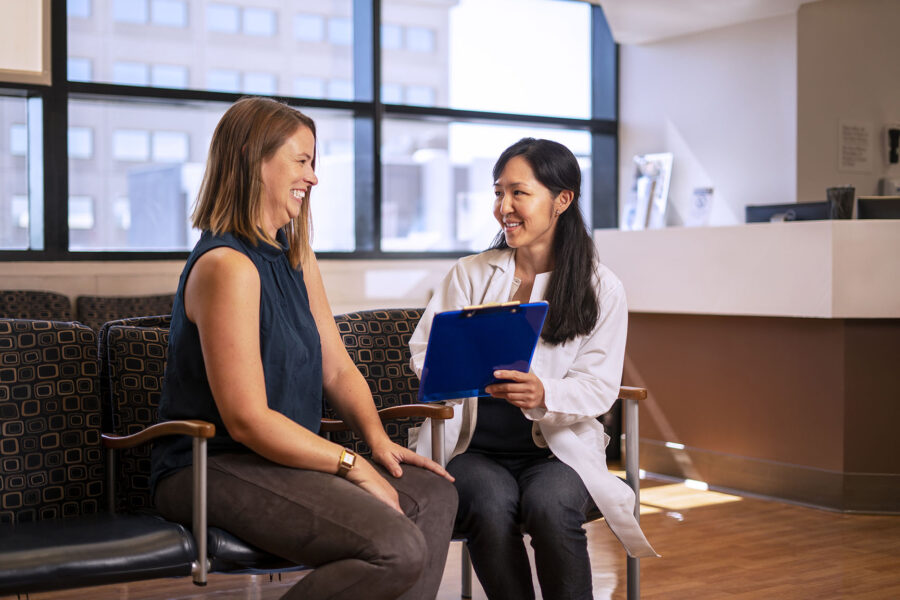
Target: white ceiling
(644, 21)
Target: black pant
(359, 546)
(498, 498)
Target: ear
(562, 202)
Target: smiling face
(287, 176)
(524, 207)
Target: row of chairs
(129, 357)
(93, 311)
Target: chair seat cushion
(96, 550)
(229, 554)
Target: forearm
(279, 439)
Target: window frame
(367, 115)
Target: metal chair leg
(466, 563)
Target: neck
(532, 261)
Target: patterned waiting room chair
(94, 311)
(55, 527)
(28, 304)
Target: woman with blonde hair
(253, 348)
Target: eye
(498, 193)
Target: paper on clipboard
(466, 346)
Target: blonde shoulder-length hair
(230, 198)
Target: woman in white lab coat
(532, 455)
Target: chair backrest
(135, 363)
(94, 311)
(161, 321)
(51, 461)
(28, 304)
(378, 342)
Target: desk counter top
(817, 269)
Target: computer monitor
(878, 207)
(798, 211)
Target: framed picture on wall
(645, 207)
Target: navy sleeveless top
(289, 344)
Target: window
(259, 83)
(259, 21)
(81, 142)
(437, 181)
(340, 89)
(223, 80)
(131, 144)
(129, 162)
(420, 39)
(78, 69)
(170, 76)
(130, 73)
(392, 93)
(18, 139)
(309, 28)
(222, 18)
(340, 31)
(129, 11)
(170, 146)
(558, 38)
(391, 36)
(309, 87)
(169, 13)
(78, 8)
(420, 95)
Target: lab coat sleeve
(590, 385)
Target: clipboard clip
(468, 311)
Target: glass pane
(437, 183)
(251, 46)
(14, 205)
(491, 55)
(139, 189)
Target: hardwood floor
(713, 546)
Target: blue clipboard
(466, 346)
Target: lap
(306, 516)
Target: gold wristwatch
(346, 462)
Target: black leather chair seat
(95, 550)
(230, 555)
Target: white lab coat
(581, 381)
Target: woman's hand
(365, 476)
(524, 390)
(389, 455)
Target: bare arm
(347, 390)
(222, 297)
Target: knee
(547, 512)
(402, 555)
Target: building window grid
(340, 31)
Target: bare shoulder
(224, 266)
(221, 281)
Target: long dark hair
(574, 306)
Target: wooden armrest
(431, 411)
(198, 429)
(632, 393)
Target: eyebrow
(514, 183)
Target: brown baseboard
(876, 493)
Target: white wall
(350, 284)
(724, 103)
(848, 69)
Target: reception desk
(772, 357)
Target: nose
(311, 179)
(505, 204)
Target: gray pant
(360, 547)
